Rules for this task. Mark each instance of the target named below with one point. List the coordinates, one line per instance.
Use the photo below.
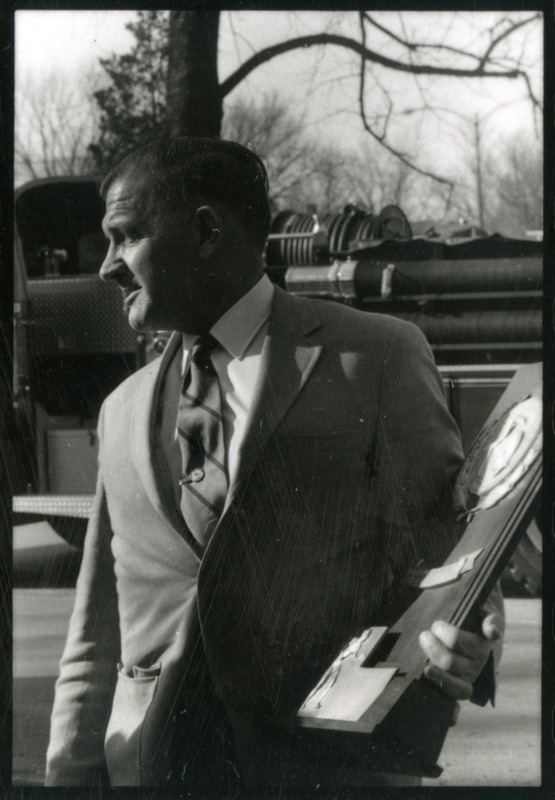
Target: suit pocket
(135, 690)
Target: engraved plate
(346, 690)
(449, 572)
(352, 694)
(500, 456)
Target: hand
(457, 657)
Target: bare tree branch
(53, 126)
(504, 34)
(481, 60)
(535, 102)
(388, 32)
(381, 137)
(268, 53)
(238, 37)
(415, 46)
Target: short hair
(185, 170)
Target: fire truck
(476, 297)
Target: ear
(208, 225)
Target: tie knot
(202, 348)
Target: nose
(111, 268)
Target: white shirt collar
(236, 329)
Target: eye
(124, 234)
(118, 238)
(114, 236)
(131, 235)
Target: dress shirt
(240, 332)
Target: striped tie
(201, 439)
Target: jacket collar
(288, 357)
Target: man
(262, 494)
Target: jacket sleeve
(86, 682)
(419, 453)
(486, 682)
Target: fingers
(445, 659)
(457, 657)
(460, 641)
(453, 687)
(458, 652)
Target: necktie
(201, 439)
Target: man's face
(153, 258)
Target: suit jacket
(343, 485)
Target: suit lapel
(288, 357)
(143, 446)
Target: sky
(65, 39)
(317, 82)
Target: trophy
(373, 700)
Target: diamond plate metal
(78, 315)
(54, 505)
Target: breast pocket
(135, 691)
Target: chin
(145, 323)
(140, 321)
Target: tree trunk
(194, 97)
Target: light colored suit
(343, 484)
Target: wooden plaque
(374, 700)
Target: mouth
(129, 296)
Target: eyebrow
(124, 226)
